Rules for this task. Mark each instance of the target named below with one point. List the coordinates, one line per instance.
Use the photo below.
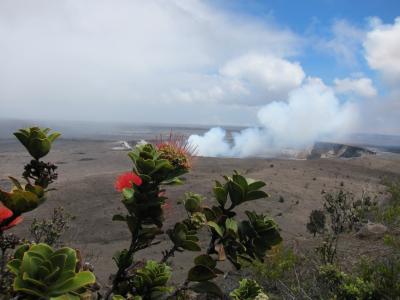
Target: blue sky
(300, 14)
(315, 18)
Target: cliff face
(331, 150)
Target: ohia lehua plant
(150, 282)
(22, 199)
(143, 196)
(36, 140)
(232, 239)
(42, 272)
(145, 200)
(249, 239)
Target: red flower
(127, 180)
(5, 214)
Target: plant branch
(181, 288)
(168, 254)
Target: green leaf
(248, 289)
(67, 297)
(256, 185)
(44, 273)
(80, 280)
(128, 193)
(209, 213)
(200, 273)
(254, 195)
(52, 137)
(145, 166)
(207, 287)
(16, 183)
(119, 217)
(19, 253)
(236, 193)
(192, 205)
(39, 148)
(22, 286)
(23, 137)
(161, 163)
(38, 284)
(43, 249)
(173, 181)
(205, 260)
(14, 265)
(190, 245)
(232, 225)
(216, 227)
(240, 180)
(220, 195)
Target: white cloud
(273, 76)
(359, 86)
(251, 79)
(382, 49)
(345, 43)
(98, 59)
(381, 114)
(180, 61)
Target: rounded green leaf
(205, 260)
(216, 227)
(207, 287)
(200, 273)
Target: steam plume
(311, 112)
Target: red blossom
(127, 180)
(5, 214)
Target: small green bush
(383, 273)
(248, 290)
(44, 272)
(343, 286)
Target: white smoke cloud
(311, 112)
(212, 143)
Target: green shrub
(343, 286)
(316, 222)
(150, 282)
(384, 273)
(276, 266)
(44, 272)
(248, 290)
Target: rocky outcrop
(334, 150)
(372, 231)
